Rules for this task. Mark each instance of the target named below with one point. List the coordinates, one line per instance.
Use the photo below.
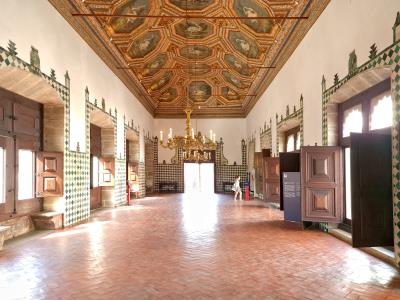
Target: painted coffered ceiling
(220, 66)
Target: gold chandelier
(195, 147)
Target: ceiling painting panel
(199, 91)
(133, 7)
(144, 44)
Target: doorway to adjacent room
(199, 178)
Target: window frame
(364, 98)
(92, 157)
(33, 196)
(295, 131)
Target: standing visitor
(236, 188)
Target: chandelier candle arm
(195, 146)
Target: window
(352, 120)
(290, 143)
(292, 139)
(367, 111)
(95, 172)
(2, 175)
(348, 182)
(381, 112)
(26, 169)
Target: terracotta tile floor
(173, 247)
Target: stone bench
(48, 220)
(3, 231)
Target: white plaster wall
(232, 132)
(343, 26)
(37, 23)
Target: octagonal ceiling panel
(154, 65)
(253, 8)
(195, 51)
(199, 91)
(215, 59)
(238, 65)
(133, 7)
(192, 4)
(193, 29)
(144, 44)
(169, 95)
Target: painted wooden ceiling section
(211, 63)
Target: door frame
(205, 162)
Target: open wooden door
(321, 184)
(107, 171)
(271, 179)
(288, 162)
(371, 189)
(258, 170)
(49, 174)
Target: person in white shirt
(236, 188)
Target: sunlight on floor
(199, 212)
(93, 228)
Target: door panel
(49, 174)
(107, 171)
(258, 168)
(288, 162)
(321, 184)
(371, 190)
(5, 113)
(271, 179)
(95, 198)
(26, 120)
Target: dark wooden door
(288, 162)
(321, 184)
(258, 168)
(49, 174)
(26, 120)
(271, 179)
(371, 189)
(95, 197)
